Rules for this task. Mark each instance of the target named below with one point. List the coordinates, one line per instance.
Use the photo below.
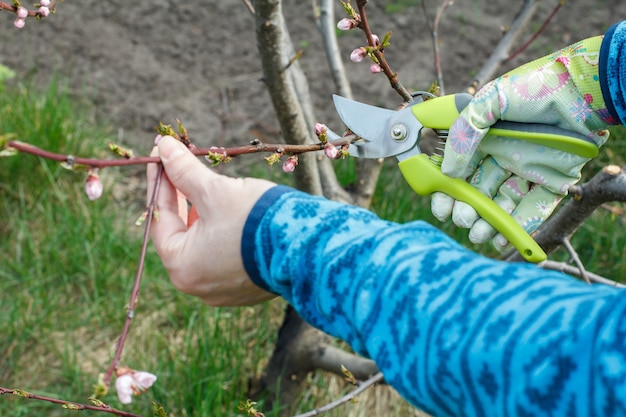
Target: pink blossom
(376, 39)
(44, 3)
(22, 13)
(320, 129)
(375, 68)
(19, 23)
(331, 151)
(358, 54)
(93, 186)
(346, 24)
(44, 11)
(290, 164)
(130, 382)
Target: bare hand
(203, 259)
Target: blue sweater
(457, 334)
(612, 70)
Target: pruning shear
(385, 132)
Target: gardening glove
(525, 179)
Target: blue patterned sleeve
(455, 333)
(612, 70)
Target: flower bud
(358, 54)
(44, 3)
(320, 129)
(93, 186)
(290, 163)
(22, 13)
(19, 23)
(375, 69)
(44, 11)
(376, 39)
(346, 24)
(331, 151)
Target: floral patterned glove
(527, 180)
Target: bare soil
(143, 62)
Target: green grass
(66, 269)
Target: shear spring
(437, 156)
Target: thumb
(186, 173)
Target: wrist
(612, 71)
(248, 245)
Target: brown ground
(142, 62)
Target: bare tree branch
(326, 24)
(502, 50)
(271, 40)
(576, 259)
(575, 272)
(435, 37)
(349, 396)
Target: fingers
(536, 206)
(183, 175)
(185, 172)
(488, 178)
(167, 220)
(169, 198)
(441, 206)
(508, 196)
(530, 207)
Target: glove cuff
(612, 71)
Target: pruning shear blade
(384, 132)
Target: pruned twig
(348, 397)
(575, 272)
(576, 259)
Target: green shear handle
(425, 177)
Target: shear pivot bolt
(398, 132)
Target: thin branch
(326, 25)
(435, 37)
(574, 255)
(346, 398)
(537, 33)
(249, 6)
(257, 147)
(368, 170)
(574, 271)
(501, 51)
(12, 8)
(136, 286)
(380, 55)
(70, 405)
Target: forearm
(453, 332)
